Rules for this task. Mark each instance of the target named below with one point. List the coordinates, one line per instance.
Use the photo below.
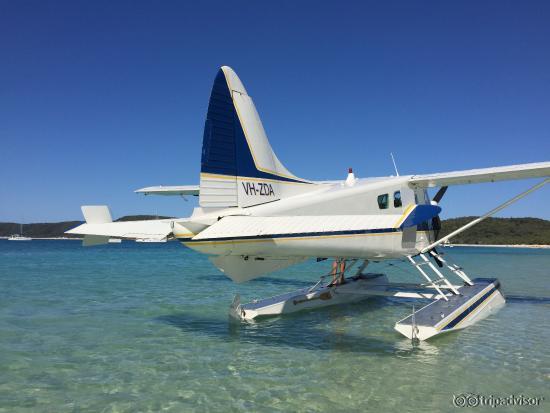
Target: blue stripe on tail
(218, 144)
(225, 150)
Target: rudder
(238, 165)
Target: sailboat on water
(20, 236)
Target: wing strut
(487, 215)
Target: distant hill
(57, 229)
(39, 230)
(497, 231)
(141, 217)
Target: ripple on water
(109, 329)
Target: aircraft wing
(247, 227)
(181, 190)
(313, 228)
(472, 176)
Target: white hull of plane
(366, 246)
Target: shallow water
(144, 327)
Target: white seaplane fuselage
(297, 226)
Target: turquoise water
(144, 327)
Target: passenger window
(397, 199)
(383, 201)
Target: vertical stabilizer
(96, 214)
(238, 165)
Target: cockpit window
(383, 201)
(397, 199)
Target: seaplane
(255, 217)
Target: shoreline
(533, 246)
(51, 238)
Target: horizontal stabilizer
(96, 214)
(180, 190)
(99, 227)
(472, 176)
(155, 229)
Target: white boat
(447, 244)
(19, 237)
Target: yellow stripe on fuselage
(404, 215)
(246, 178)
(241, 241)
(184, 235)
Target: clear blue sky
(100, 98)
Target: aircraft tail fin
(238, 165)
(96, 214)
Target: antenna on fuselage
(394, 165)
